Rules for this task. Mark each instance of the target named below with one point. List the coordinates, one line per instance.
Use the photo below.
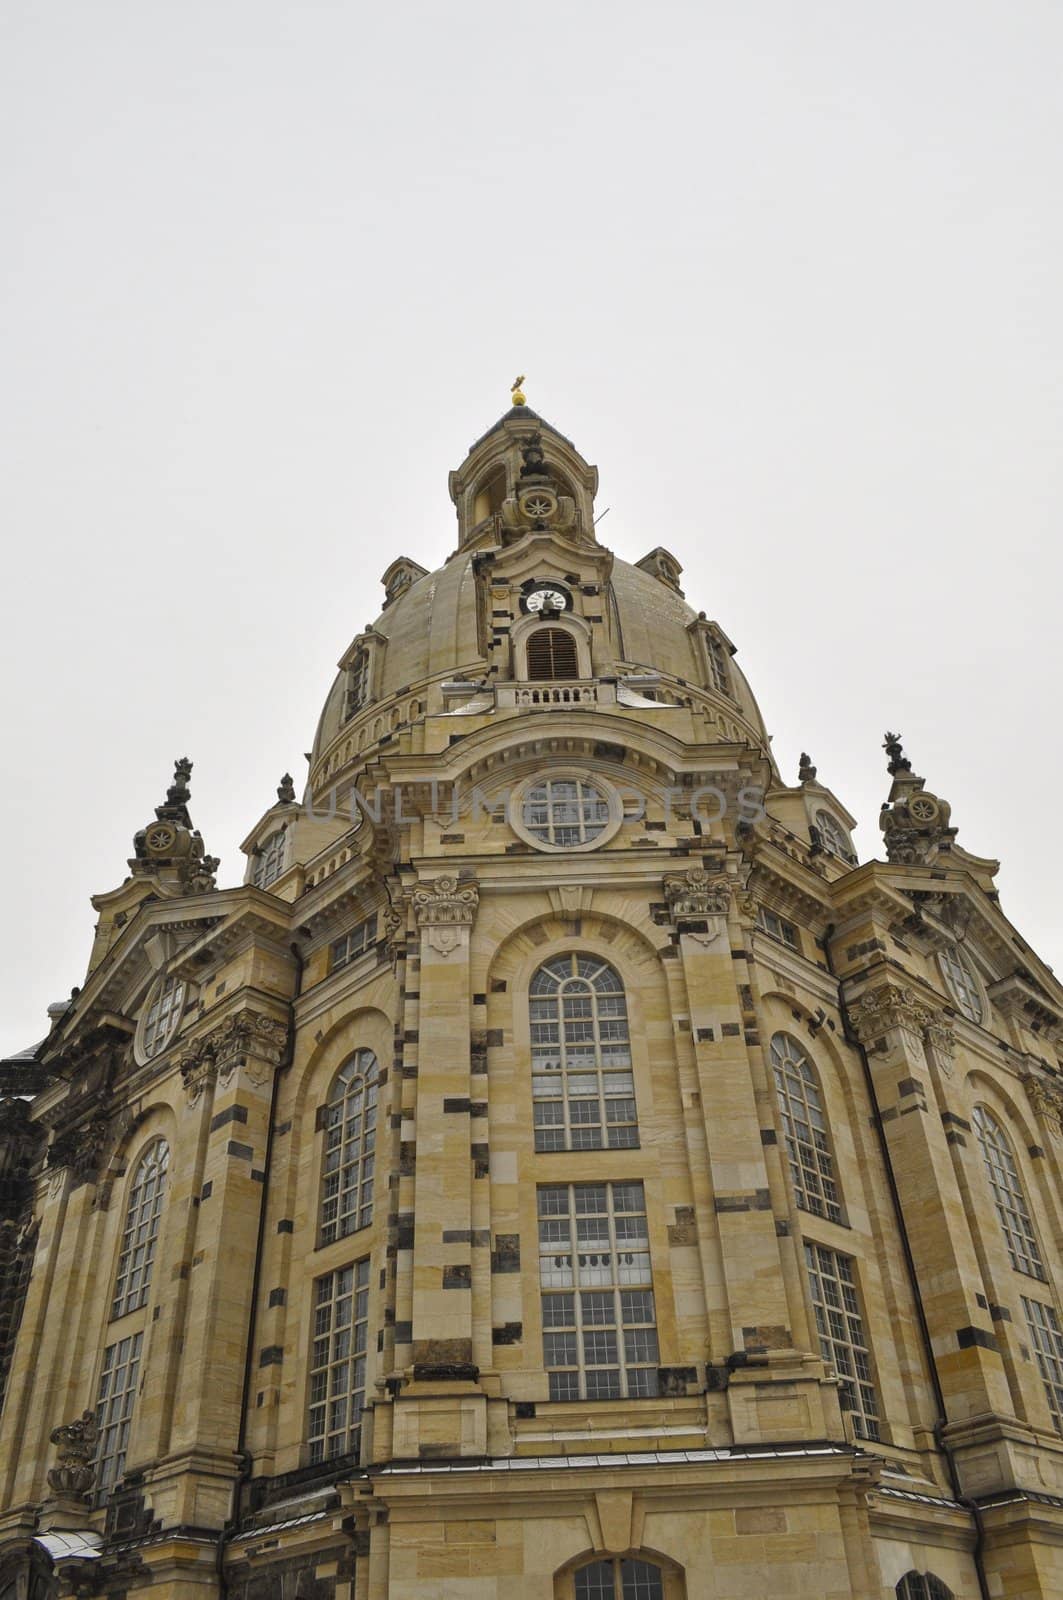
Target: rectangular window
(1046, 1336)
(599, 1319)
(357, 684)
(842, 1339)
(777, 928)
(719, 670)
(353, 944)
(338, 1346)
(114, 1411)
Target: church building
(561, 1169)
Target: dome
(439, 629)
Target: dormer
(662, 564)
(399, 576)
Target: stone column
(892, 1024)
(449, 1417)
(773, 1389)
(193, 1485)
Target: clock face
(547, 599)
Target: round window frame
(140, 1053)
(566, 775)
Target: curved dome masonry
(561, 1165)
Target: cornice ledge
(812, 899)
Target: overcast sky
(788, 273)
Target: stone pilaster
(898, 1033)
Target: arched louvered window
(922, 1586)
(349, 1120)
(141, 1231)
(625, 1579)
(1006, 1185)
(269, 862)
(552, 654)
(582, 1087)
(836, 842)
(805, 1129)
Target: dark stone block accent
(459, 1103)
(673, 1382)
(271, 1356)
(258, 1176)
(1035, 1151)
(281, 1129)
(909, 1086)
(207, 1189)
(411, 1036)
(457, 1277)
(920, 1105)
(452, 838)
(683, 1024)
(955, 1138)
(772, 1336)
(494, 1038)
(609, 752)
(669, 953)
(477, 1108)
(439, 1452)
(730, 1030)
(457, 1236)
(321, 1118)
(524, 1409)
(508, 1333)
(768, 1136)
(966, 1337)
(404, 1232)
(407, 1157)
(403, 1332)
(498, 985)
(782, 1229)
(981, 1300)
(505, 1257)
(752, 1036)
(245, 1152)
(277, 1297)
(234, 1113)
(1000, 1313)
(479, 999)
(738, 955)
(706, 1036)
(481, 1160)
(395, 1120)
(745, 996)
(949, 1118)
(759, 1200)
(685, 1228)
(286, 1225)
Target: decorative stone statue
(286, 790)
(806, 772)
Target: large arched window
(582, 1085)
(141, 1232)
(922, 1586)
(350, 1138)
(805, 1129)
(552, 655)
(1004, 1180)
(619, 1579)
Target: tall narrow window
(337, 1361)
(842, 1340)
(719, 665)
(141, 1231)
(582, 1086)
(350, 1140)
(1004, 1180)
(552, 654)
(922, 1586)
(1046, 1336)
(269, 862)
(805, 1129)
(114, 1411)
(599, 1319)
(357, 684)
(162, 1016)
(619, 1580)
(961, 980)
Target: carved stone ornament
(1047, 1102)
(249, 1040)
(889, 1006)
(697, 893)
(82, 1149)
(942, 1041)
(444, 906)
(74, 1472)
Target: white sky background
(789, 274)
